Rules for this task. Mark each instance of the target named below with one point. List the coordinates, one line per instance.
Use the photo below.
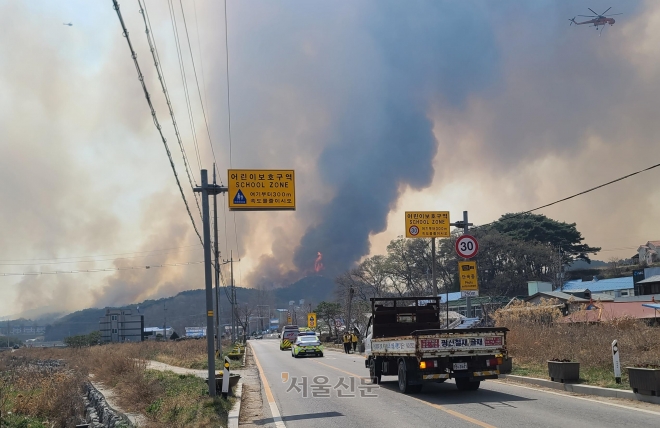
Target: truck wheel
(464, 384)
(375, 372)
(404, 386)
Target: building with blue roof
(617, 287)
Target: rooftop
(607, 311)
(654, 278)
(601, 285)
(557, 295)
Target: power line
(199, 92)
(101, 270)
(101, 255)
(575, 195)
(161, 76)
(184, 80)
(79, 261)
(238, 250)
(153, 115)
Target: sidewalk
(579, 388)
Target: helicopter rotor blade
(614, 14)
(606, 11)
(588, 16)
(592, 11)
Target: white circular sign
(414, 230)
(467, 246)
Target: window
(624, 293)
(114, 331)
(114, 317)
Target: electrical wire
(80, 261)
(153, 115)
(199, 92)
(101, 270)
(161, 77)
(184, 80)
(238, 250)
(102, 255)
(572, 196)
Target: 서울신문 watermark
(321, 387)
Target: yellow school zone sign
(261, 189)
(427, 224)
(311, 320)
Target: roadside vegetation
(34, 391)
(536, 336)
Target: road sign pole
(468, 299)
(433, 278)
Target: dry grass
(36, 393)
(535, 337)
(167, 399)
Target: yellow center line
(435, 406)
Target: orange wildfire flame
(318, 263)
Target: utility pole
(232, 299)
(218, 340)
(164, 321)
(234, 321)
(208, 189)
(350, 301)
(468, 303)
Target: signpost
(427, 224)
(467, 278)
(617, 363)
(311, 320)
(261, 189)
(467, 246)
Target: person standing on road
(354, 340)
(347, 343)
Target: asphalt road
(495, 404)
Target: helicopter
(69, 24)
(598, 20)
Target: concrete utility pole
(218, 340)
(206, 190)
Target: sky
(379, 106)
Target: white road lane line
(277, 417)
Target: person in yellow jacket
(354, 340)
(347, 343)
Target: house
(617, 287)
(608, 311)
(585, 293)
(649, 252)
(567, 303)
(648, 286)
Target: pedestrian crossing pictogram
(240, 198)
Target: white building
(119, 325)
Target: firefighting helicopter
(598, 20)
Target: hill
(188, 308)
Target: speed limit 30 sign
(467, 246)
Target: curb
(232, 417)
(584, 389)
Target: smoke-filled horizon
(379, 106)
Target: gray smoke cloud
(379, 106)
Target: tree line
(512, 250)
